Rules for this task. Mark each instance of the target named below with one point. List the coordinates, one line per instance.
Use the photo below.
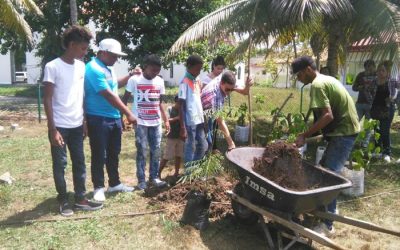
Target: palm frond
(30, 6)
(207, 25)
(14, 21)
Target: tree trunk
(334, 39)
(294, 46)
(74, 12)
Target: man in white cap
(103, 106)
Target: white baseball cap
(111, 45)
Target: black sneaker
(87, 205)
(65, 209)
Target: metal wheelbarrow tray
(264, 192)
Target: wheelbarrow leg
(306, 232)
(270, 242)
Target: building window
(239, 75)
(171, 70)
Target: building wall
(5, 65)
(33, 68)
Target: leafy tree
(338, 22)
(207, 50)
(145, 27)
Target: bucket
(319, 154)
(302, 150)
(357, 179)
(242, 133)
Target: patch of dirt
(282, 164)
(174, 199)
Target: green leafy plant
(202, 169)
(242, 115)
(286, 126)
(361, 154)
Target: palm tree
(337, 22)
(12, 19)
(74, 12)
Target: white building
(5, 66)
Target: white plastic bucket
(319, 154)
(242, 133)
(357, 179)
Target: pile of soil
(282, 164)
(174, 199)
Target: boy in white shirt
(63, 103)
(147, 90)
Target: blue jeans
(336, 155)
(105, 144)
(196, 144)
(384, 131)
(73, 139)
(151, 136)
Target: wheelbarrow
(255, 196)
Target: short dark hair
(219, 60)
(301, 63)
(229, 78)
(152, 60)
(76, 33)
(387, 64)
(176, 98)
(193, 60)
(368, 63)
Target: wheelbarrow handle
(355, 222)
(314, 139)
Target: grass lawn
(32, 197)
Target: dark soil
(282, 164)
(174, 199)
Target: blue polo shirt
(99, 77)
(189, 91)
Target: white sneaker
(158, 183)
(98, 195)
(323, 229)
(120, 188)
(386, 158)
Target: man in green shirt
(336, 117)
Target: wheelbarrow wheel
(242, 213)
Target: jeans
(384, 131)
(336, 155)
(212, 127)
(73, 139)
(105, 144)
(196, 144)
(364, 109)
(151, 136)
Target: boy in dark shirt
(174, 146)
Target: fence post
(39, 99)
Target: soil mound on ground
(282, 164)
(174, 199)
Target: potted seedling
(360, 158)
(200, 173)
(242, 128)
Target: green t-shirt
(327, 91)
